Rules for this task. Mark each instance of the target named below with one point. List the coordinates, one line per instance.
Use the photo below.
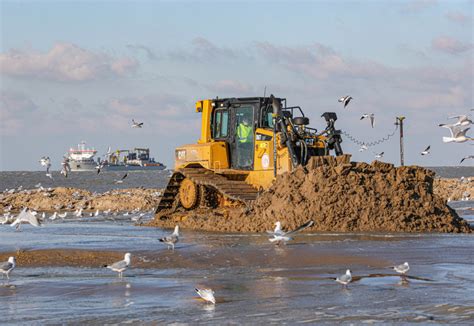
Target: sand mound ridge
(343, 196)
(340, 196)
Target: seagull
(62, 215)
(121, 180)
(426, 151)
(363, 147)
(458, 135)
(78, 213)
(345, 279)
(96, 213)
(65, 167)
(463, 120)
(345, 99)
(26, 216)
(370, 116)
(137, 124)
(46, 162)
(402, 269)
(280, 236)
(466, 158)
(7, 266)
(206, 294)
(379, 155)
(120, 266)
(171, 239)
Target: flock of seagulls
(457, 130)
(278, 236)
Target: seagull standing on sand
(137, 124)
(8, 266)
(120, 266)
(25, 216)
(345, 99)
(458, 135)
(370, 116)
(206, 294)
(402, 269)
(280, 236)
(170, 240)
(426, 151)
(345, 279)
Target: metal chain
(372, 143)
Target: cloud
(148, 51)
(228, 87)
(64, 62)
(203, 50)
(14, 107)
(416, 6)
(450, 45)
(458, 17)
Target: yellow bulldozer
(245, 143)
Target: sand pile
(71, 199)
(339, 196)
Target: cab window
(221, 124)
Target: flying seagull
(121, 180)
(280, 236)
(466, 158)
(46, 162)
(7, 266)
(170, 240)
(137, 124)
(25, 216)
(402, 269)
(458, 135)
(345, 99)
(206, 294)
(370, 116)
(426, 151)
(463, 120)
(379, 155)
(65, 167)
(120, 266)
(345, 279)
(363, 147)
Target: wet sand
(59, 278)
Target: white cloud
(450, 45)
(64, 62)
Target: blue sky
(73, 71)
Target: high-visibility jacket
(244, 133)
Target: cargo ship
(81, 158)
(130, 160)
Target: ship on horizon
(81, 158)
(130, 160)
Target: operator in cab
(245, 143)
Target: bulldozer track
(233, 189)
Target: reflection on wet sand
(254, 281)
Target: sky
(81, 70)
